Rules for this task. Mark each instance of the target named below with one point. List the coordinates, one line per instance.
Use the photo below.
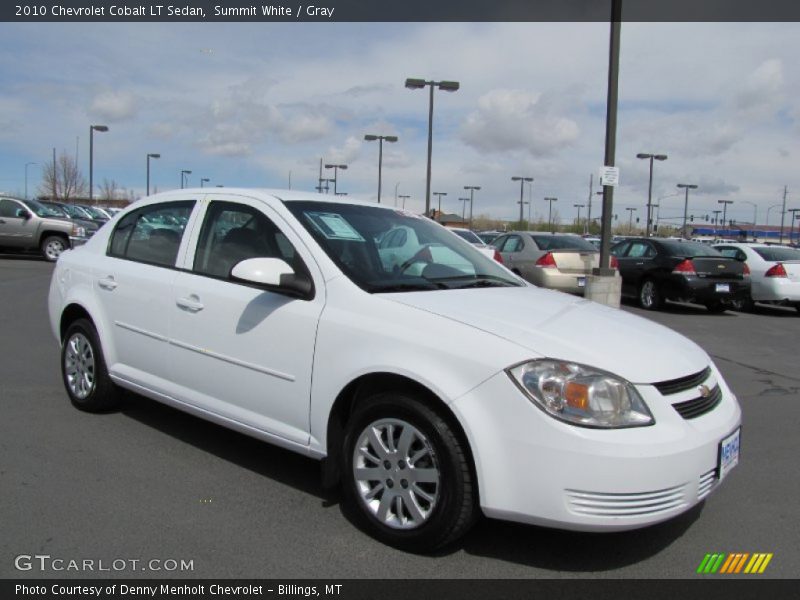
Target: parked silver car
(29, 225)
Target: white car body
(471, 237)
(273, 367)
(779, 290)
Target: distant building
(747, 232)
(447, 219)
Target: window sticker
(333, 226)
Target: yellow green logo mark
(734, 563)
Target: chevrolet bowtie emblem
(704, 390)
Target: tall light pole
(717, 213)
(769, 209)
(381, 138)
(26, 177)
(184, 178)
(439, 194)
(783, 210)
(630, 210)
(550, 212)
(396, 185)
(651, 157)
(204, 180)
(686, 187)
(794, 212)
(336, 175)
(447, 86)
(471, 189)
(92, 129)
(404, 197)
(725, 212)
(463, 207)
(579, 207)
(522, 181)
(149, 156)
(327, 187)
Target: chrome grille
(699, 406)
(637, 504)
(706, 484)
(674, 386)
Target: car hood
(561, 326)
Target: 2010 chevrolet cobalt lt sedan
(435, 389)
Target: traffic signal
(691, 218)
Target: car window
(565, 242)
(641, 250)
(777, 253)
(513, 243)
(234, 232)
(43, 210)
(728, 251)
(620, 249)
(9, 208)
(151, 234)
(470, 236)
(688, 249)
(430, 259)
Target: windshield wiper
(406, 287)
(478, 281)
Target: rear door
(16, 232)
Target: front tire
(84, 371)
(650, 297)
(52, 246)
(406, 475)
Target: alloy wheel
(79, 366)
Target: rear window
(777, 253)
(688, 249)
(563, 242)
(470, 236)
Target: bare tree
(62, 180)
(109, 190)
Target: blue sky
(245, 104)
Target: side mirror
(275, 275)
(23, 214)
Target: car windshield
(390, 250)
(562, 242)
(689, 249)
(777, 253)
(74, 211)
(94, 213)
(468, 235)
(59, 211)
(41, 210)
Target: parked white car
(470, 236)
(432, 392)
(774, 273)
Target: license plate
(728, 453)
(581, 281)
(723, 288)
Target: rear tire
(405, 475)
(52, 246)
(745, 304)
(650, 297)
(83, 369)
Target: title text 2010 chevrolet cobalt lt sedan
(434, 389)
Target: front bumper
(534, 469)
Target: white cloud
(517, 120)
(114, 106)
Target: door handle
(639, 263)
(192, 303)
(108, 283)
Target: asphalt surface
(148, 482)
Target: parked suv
(29, 225)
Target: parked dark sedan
(657, 269)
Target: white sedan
(774, 273)
(433, 391)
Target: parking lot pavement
(147, 482)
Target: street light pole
(686, 187)
(550, 213)
(26, 178)
(184, 173)
(794, 212)
(522, 181)
(203, 180)
(463, 208)
(381, 138)
(440, 194)
(725, 212)
(471, 189)
(149, 156)
(404, 197)
(447, 86)
(92, 129)
(579, 207)
(336, 176)
(650, 187)
(630, 218)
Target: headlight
(581, 395)
(78, 231)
